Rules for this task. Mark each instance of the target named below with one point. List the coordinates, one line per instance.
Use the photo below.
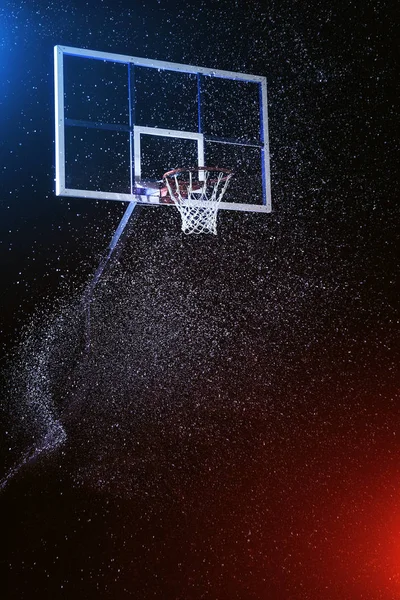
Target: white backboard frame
(136, 195)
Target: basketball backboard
(122, 121)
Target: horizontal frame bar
(97, 125)
(231, 141)
(159, 64)
(154, 200)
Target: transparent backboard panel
(97, 159)
(96, 91)
(245, 161)
(231, 109)
(165, 99)
(122, 122)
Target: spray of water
(35, 393)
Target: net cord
(198, 219)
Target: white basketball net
(197, 199)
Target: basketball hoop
(196, 192)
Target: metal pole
(113, 252)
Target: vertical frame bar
(131, 109)
(266, 175)
(200, 154)
(59, 119)
(199, 106)
(137, 165)
(200, 143)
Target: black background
(233, 432)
